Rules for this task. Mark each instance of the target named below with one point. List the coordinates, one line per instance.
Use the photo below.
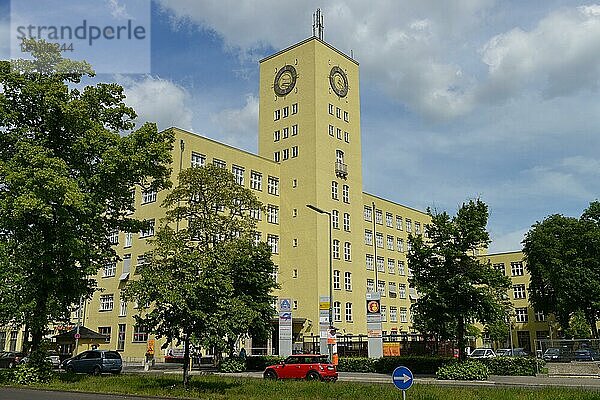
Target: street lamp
(320, 211)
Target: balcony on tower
(341, 169)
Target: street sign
(77, 336)
(402, 378)
(285, 305)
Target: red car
(312, 367)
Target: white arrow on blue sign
(402, 378)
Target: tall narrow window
(335, 219)
(334, 190)
(346, 194)
(238, 173)
(336, 280)
(335, 249)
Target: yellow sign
(150, 347)
(324, 305)
(391, 349)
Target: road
(29, 394)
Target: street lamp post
(320, 211)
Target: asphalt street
(29, 394)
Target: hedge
(259, 363)
(356, 364)
(417, 364)
(469, 370)
(513, 366)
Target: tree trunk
(460, 336)
(186, 360)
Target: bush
(37, 369)
(469, 370)
(233, 364)
(259, 363)
(513, 366)
(356, 364)
(426, 365)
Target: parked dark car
(53, 358)
(94, 362)
(558, 354)
(10, 359)
(312, 367)
(586, 354)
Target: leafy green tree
(66, 172)
(205, 278)
(497, 331)
(455, 286)
(578, 327)
(562, 255)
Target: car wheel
(116, 372)
(270, 374)
(96, 371)
(69, 369)
(313, 376)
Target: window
(346, 137)
(392, 289)
(400, 244)
(391, 266)
(148, 196)
(255, 214)
(393, 314)
(516, 268)
(389, 220)
(398, 222)
(198, 160)
(500, 268)
(346, 194)
(337, 311)
(339, 156)
(346, 116)
(276, 135)
(113, 237)
(403, 315)
(149, 231)
(294, 130)
(121, 337)
(277, 156)
(347, 251)
(335, 219)
(286, 132)
(106, 302)
(348, 312)
(238, 173)
(273, 242)
(369, 262)
(334, 190)
(418, 228)
(401, 267)
(294, 151)
(347, 222)
(286, 111)
(272, 214)
(273, 185)
(276, 115)
(219, 163)
(383, 314)
(539, 316)
(381, 288)
(348, 281)
(368, 237)
(139, 334)
(408, 246)
(294, 273)
(295, 108)
(338, 112)
(336, 280)
(380, 261)
(408, 225)
(128, 239)
(402, 291)
(390, 242)
(255, 180)
(379, 217)
(330, 130)
(331, 109)
(105, 330)
(336, 249)
(519, 291)
(257, 237)
(295, 242)
(110, 269)
(521, 314)
(370, 285)
(338, 132)
(368, 213)
(379, 239)
(285, 154)
(123, 308)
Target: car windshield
(478, 352)
(552, 351)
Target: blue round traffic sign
(402, 378)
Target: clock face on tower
(285, 80)
(338, 81)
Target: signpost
(402, 379)
(285, 327)
(374, 333)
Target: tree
(562, 256)
(205, 277)
(455, 287)
(66, 174)
(497, 331)
(578, 326)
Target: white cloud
(118, 10)
(583, 165)
(158, 100)
(238, 126)
(510, 241)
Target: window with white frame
(123, 308)
(392, 289)
(346, 137)
(401, 267)
(338, 112)
(272, 214)
(255, 214)
(295, 108)
(408, 246)
(285, 154)
(521, 314)
(348, 312)
(390, 242)
(331, 130)
(294, 151)
(370, 285)
(391, 266)
(516, 268)
(335, 249)
(255, 180)
(140, 334)
(500, 268)
(368, 237)
(273, 242)
(331, 109)
(334, 190)
(347, 251)
(417, 228)
(219, 163)
(347, 222)
(294, 130)
(337, 311)
(519, 291)
(338, 134)
(378, 217)
(238, 173)
(381, 288)
(335, 219)
(273, 185)
(106, 302)
(408, 225)
(402, 290)
(346, 116)
(380, 261)
(347, 281)
(540, 316)
(277, 156)
(277, 135)
(286, 132)
(128, 239)
(379, 239)
(346, 194)
(393, 314)
(286, 111)
(339, 155)
(110, 269)
(400, 244)
(257, 237)
(149, 231)
(106, 331)
(368, 214)
(389, 219)
(383, 314)
(336, 280)
(276, 115)
(369, 262)
(198, 160)
(398, 222)
(113, 236)
(148, 196)
(403, 315)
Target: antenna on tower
(318, 24)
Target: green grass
(218, 388)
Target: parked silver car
(482, 353)
(94, 362)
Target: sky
(460, 99)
